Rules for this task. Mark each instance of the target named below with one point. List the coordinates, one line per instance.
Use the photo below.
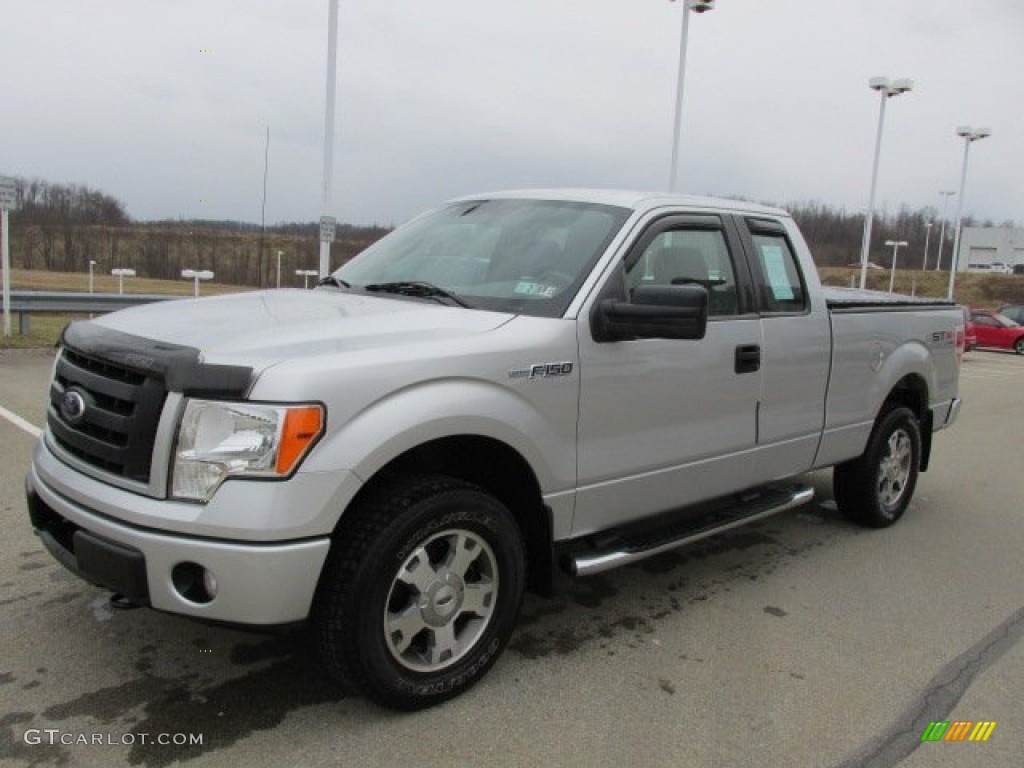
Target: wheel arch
(497, 468)
(912, 392)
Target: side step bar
(629, 551)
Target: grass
(45, 332)
(971, 289)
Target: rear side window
(782, 287)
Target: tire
(420, 593)
(875, 489)
(1019, 346)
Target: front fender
(543, 433)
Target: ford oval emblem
(72, 406)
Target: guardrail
(25, 303)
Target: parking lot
(800, 641)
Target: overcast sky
(164, 104)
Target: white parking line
(19, 422)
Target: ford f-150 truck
(508, 384)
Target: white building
(991, 249)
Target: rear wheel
(421, 591)
(1019, 346)
(875, 489)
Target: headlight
(218, 440)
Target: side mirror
(656, 312)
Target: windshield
(523, 256)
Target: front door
(667, 423)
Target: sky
(165, 104)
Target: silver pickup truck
(508, 384)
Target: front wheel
(421, 591)
(875, 489)
(1019, 346)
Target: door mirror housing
(656, 312)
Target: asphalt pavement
(799, 641)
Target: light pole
(927, 237)
(968, 134)
(196, 276)
(92, 264)
(699, 7)
(887, 89)
(896, 245)
(942, 230)
(279, 268)
(305, 274)
(121, 274)
(326, 220)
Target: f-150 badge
(541, 371)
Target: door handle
(748, 358)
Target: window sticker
(775, 266)
(525, 288)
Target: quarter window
(783, 289)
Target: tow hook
(123, 602)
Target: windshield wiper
(418, 289)
(332, 280)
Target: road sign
(327, 226)
(8, 193)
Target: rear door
(795, 351)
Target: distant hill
(64, 227)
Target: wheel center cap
(442, 601)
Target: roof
(636, 200)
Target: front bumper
(258, 583)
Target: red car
(995, 330)
(970, 336)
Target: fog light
(194, 583)
(210, 583)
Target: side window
(689, 256)
(782, 289)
